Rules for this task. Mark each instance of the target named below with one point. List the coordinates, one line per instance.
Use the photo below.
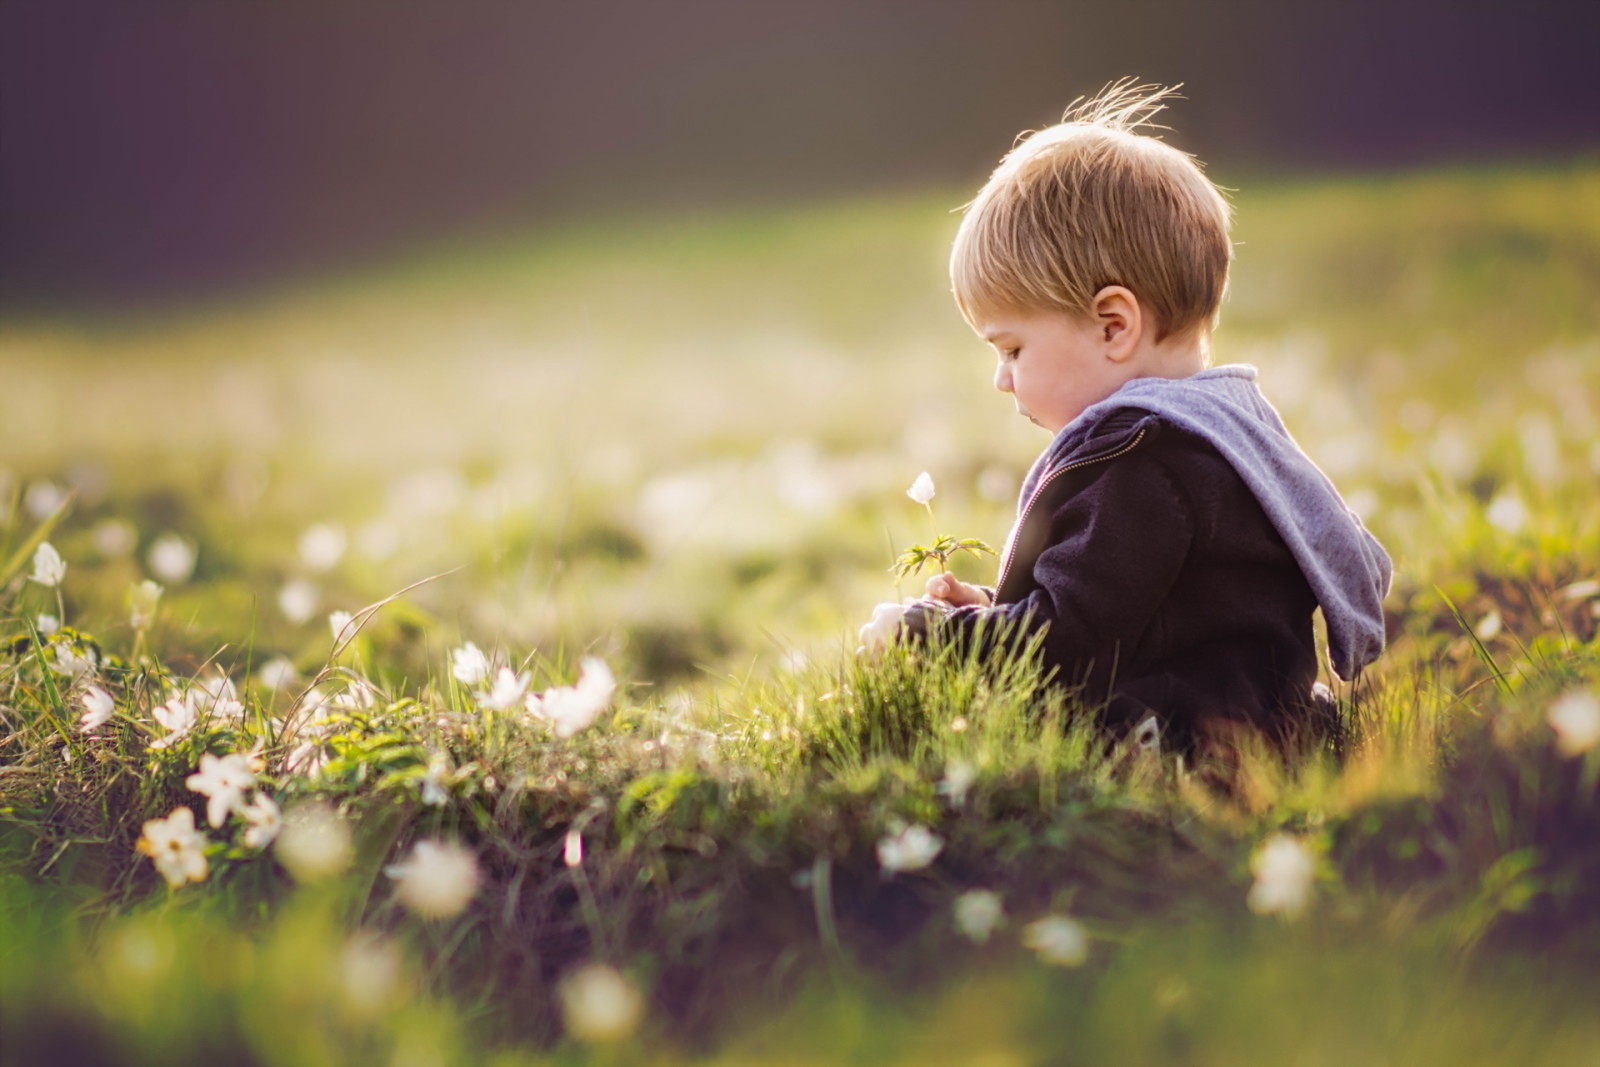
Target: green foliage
(718, 834)
(915, 558)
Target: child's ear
(1119, 321)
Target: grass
(682, 447)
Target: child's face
(1053, 364)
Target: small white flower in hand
(922, 489)
(48, 566)
(883, 627)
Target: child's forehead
(992, 325)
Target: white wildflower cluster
(224, 781)
(230, 787)
(570, 709)
(566, 709)
(1055, 939)
(313, 720)
(184, 709)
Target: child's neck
(1178, 356)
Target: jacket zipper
(1039, 489)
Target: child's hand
(949, 589)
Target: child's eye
(1009, 353)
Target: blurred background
(170, 150)
(634, 318)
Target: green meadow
(595, 772)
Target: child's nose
(1002, 377)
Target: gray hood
(1345, 566)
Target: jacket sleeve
(1114, 550)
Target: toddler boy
(1172, 541)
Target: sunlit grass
(682, 448)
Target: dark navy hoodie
(1173, 542)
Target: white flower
(322, 546)
(177, 847)
(264, 819)
(1284, 868)
(1587, 589)
(1507, 513)
(370, 970)
(171, 559)
(277, 673)
(48, 566)
(97, 709)
(574, 708)
(177, 716)
(378, 540)
(43, 499)
(884, 626)
(217, 696)
(599, 1004)
(437, 880)
(908, 848)
(1489, 626)
(314, 843)
(469, 665)
(142, 601)
(978, 913)
(507, 692)
(1057, 940)
(224, 781)
(434, 793)
(46, 625)
(71, 663)
(922, 489)
(339, 623)
(1575, 717)
(115, 538)
(959, 776)
(298, 601)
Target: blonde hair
(1091, 202)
